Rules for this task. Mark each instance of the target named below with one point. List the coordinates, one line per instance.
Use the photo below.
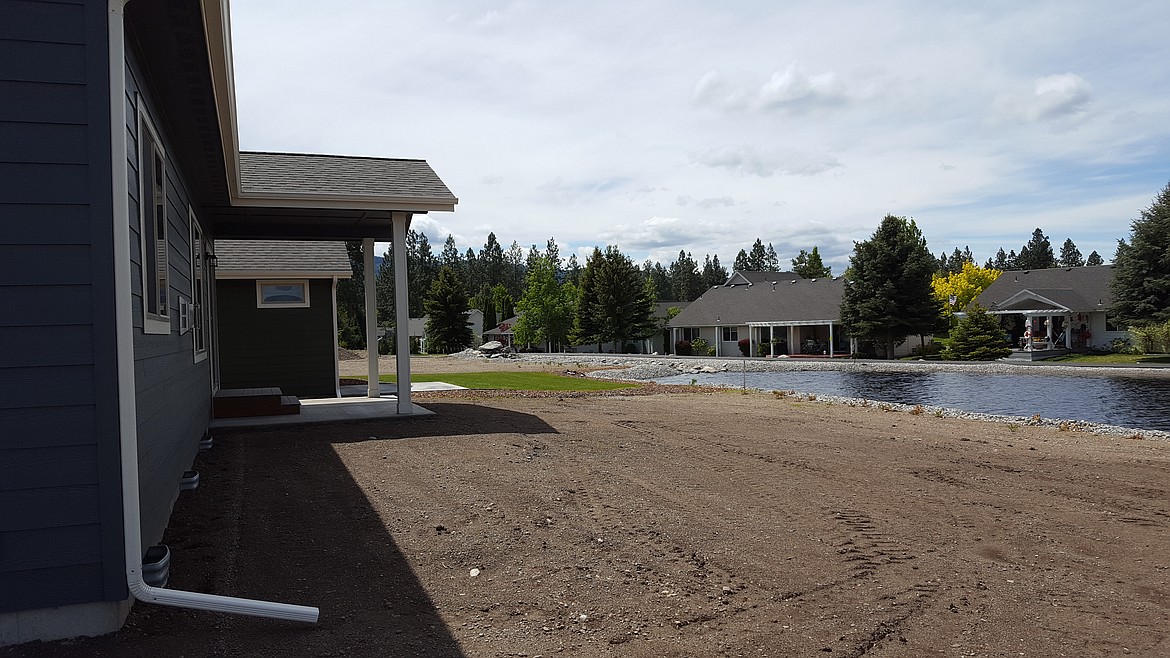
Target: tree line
(892, 288)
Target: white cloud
(748, 160)
(1055, 99)
(791, 90)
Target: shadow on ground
(278, 517)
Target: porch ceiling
(258, 223)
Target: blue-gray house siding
(173, 392)
(60, 502)
(60, 476)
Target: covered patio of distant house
(799, 338)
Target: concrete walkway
(353, 406)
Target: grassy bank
(515, 381)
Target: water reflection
(1140, 403)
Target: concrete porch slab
(330, 410)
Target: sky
(700, 126)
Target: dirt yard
(683, 524)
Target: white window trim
(198, 277)
(152, 323)
(260, 303)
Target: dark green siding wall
(60, 511)
(287, 347)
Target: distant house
(656, 343)
(418, 329)
(780, 311)
(502, 332)
(277, 319)
(1061, 308)
(120, 172)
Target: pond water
(1137, 402)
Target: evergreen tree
(714, 274)
(573, 270)
(491, 262)
(809, 265)
(1141, 267)
(384, 286)
(1001, 261)
(741, 262)
(655, 272)
(615, 303)
(1070, 256)
(351, 301)
(450, 255)
(1094, 259)
(552, 252)
(472, 271)
(447, 327)
(514, 270)
(771, 260)
(1037, 254)
(889, 295)
(757, 260)
(941, 265)
(421, 267)
(504, 302)
(483, 301)
(954, 263)
(978, 337)
(1012, 261)
(546, 308)
(686, 282)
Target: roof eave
(345, 202)
(221, 273)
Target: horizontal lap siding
(173, 393)
(60, 515)
(287, 347)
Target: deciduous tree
(545, 308)
(963, 286)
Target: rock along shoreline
(645, 368)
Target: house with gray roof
(1061, 308)
(276, 315)
(121, 177)
(778, 313)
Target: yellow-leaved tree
(959, 289)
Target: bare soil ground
(355, 364)
(676, 524)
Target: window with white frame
(200, 284)
(690, 333)
(282, 294)
(152, 204)
(730, 334)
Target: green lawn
(1106, 359)
(516, 381)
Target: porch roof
(1060, 290)
(284, 258)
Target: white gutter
(127, 411)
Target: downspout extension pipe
(127, 411)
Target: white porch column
(772, 340)
(402, 312)
(718, 339)
(830, 340)
(373, 386)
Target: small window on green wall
(282, 294)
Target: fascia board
(282, 274)
(345, 202)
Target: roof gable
(1077, 289)
(794, 300)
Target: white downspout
(124, 331)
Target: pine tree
(1001, 260)
(978, 337)
(1037, 254)
(1094, 259)
(573, 270)
(483, 301)
(741, 262)
(757, 260)
(714, 274)
(809, 265)
(889, 294)
(615, 302)
(660, 276)
(1141, 267)
(447, 327)
(771, 260)
(685, 280)
(351, 301)
(1070, 256)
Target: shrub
(1123, 346)
(683, 348)
(978, 337)
(1152, 338)
(745, 346)
(700, 347)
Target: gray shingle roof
(273, 256)
(806, 300)
(300, 174)
(1074, 288)
(762, 277)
